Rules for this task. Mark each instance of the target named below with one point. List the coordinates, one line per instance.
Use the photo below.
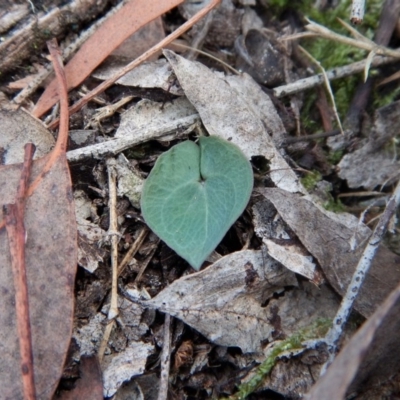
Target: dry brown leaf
(369, 358)
(132, 16)
(329, 239)
(51, 263)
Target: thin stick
(133, 250)
(145, 263)
(62, 139)
(362, 44)
(336, 73)
(322, 135)
(327, 84)
(357, 12)
(113, 231)
(104, 341)
(165, 360)
(204, 53)
(14, 220)
(165, 42)
(340, 320)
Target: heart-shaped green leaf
(195, 193)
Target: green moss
(335, 156)
(382, 100)
(335, 206)
(331, 54)
(316, 330)
(310, 180)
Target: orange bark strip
(62, 139)
(108, 37)
(14, 220)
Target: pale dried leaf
(154, 74)
(130, 183)
(368, 169)
(227, 112)
(122, 367)
(281, 242)
(329, 241)
(147, 114)
(89, 234)
(292, 257)
(223, 302)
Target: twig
(115, 146)
(113, 231)
(357, 12)
(335, 73)
(322, 135)
(334, 335)
(105, 339)
(200, 36)
(362, 44)
(204, 53)
(327, 84)
(145, 263)
(163, 43)
(133, 249)
(52, 23)
(165, 360)
(14, 220)
(62, 139)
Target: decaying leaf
(51, 264)
(228, 113)
(301, 309)
(140, 41)
(47, 257)
(224, 301)
(329, 237)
